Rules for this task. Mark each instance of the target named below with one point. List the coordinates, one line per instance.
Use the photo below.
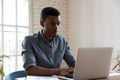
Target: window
(14, 26)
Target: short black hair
(48, 11)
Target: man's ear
(42, 23)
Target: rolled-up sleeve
(27, 53)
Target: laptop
(93, 63)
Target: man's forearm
(39, 71)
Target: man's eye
(54, 24)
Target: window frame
(16, 26)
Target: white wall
(93, 23)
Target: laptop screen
(93, 62)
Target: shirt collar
(41, 36)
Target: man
(43, 52)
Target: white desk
(43, 78)
(22, 78)
(113, 76)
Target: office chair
(16, 74)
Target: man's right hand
(66, 72)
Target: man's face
(50, 25)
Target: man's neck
(49, 38)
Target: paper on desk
(41, 78)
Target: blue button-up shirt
(37, 51)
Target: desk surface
(110, 78)
(115, 76)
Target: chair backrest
(16, 74)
